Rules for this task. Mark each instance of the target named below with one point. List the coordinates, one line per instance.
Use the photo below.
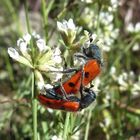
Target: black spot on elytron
(48, 103)
(86, 74)
(71, 84)
(62, 108)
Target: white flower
(97, 82)
(94, 37)
(114, 3)
(136, 88)
(106, 18)
(48, 86)
(57, 56)
(107, 121)
(76, 135)
(136, 47)
(23, 48)
(55, 138)
(50, 110)
(19, 41)
(27, 38)
(124, 80)
(100, 43)
(113, 70)
(130, 27)
(54, 73)
(137, 27)
(41, 45)
(35, 35)
(115, 33)
(40, 85)
(106, 48)
(40, 59)
(13, 53)
(66, 25)
(68, 30)
(70, 24)
(121, 81)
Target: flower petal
(23, 47)
(41, 45)
(71, 24)
(60, 26)
(13, 53)
(25, 61)
(57, 56)
(35, 35)
(27, 38)
(19, 41)
(47, 86)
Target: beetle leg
(63, 91)
(67, 71)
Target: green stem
(27, 18)
(45, 12)
(66, 126)
(34, 108)
(88, 124)
(33, 96)
(72, 123)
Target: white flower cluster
(107, 33)
(66, 25)
(126, 81)
(33, 52)
(133, 28)
(110, 32)
(45, 58)
(68, 30)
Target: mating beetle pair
(63, 96)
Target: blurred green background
(116, 115)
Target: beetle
(86, 74)
(63, 96)
(73, 104)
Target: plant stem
(46, 7)
(34, 108)
(27, 18)
(88, 124)
(66, 126)
(33, 96)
